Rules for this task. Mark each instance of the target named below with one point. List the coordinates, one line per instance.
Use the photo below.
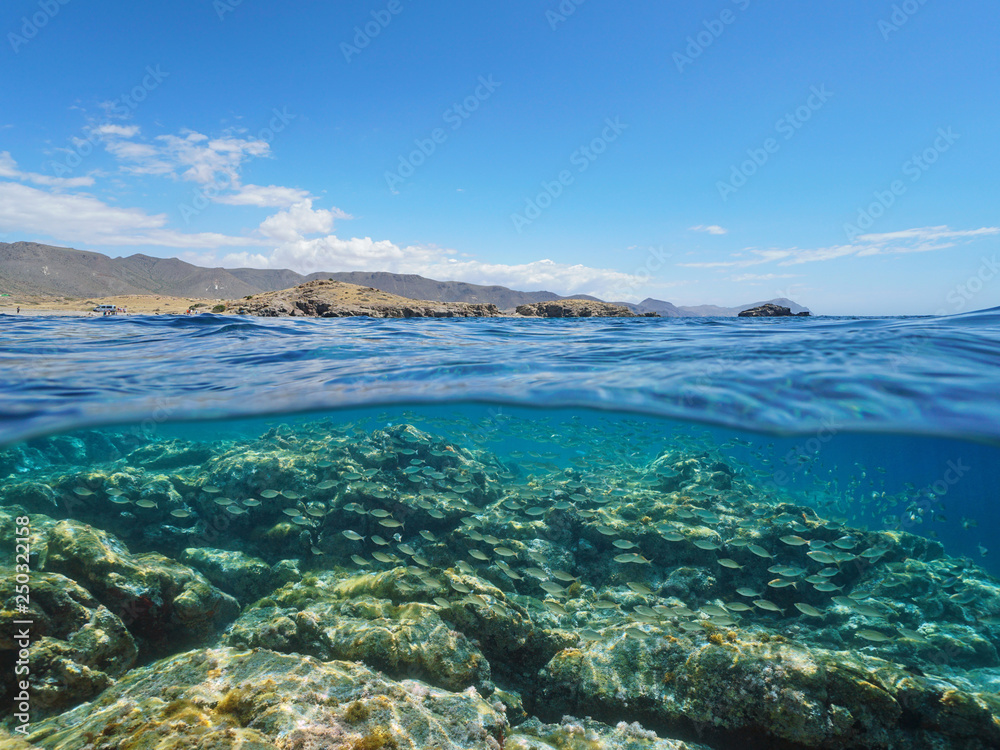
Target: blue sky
(842, 154)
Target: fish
(714, 610)
(640, 588)
(555, 607)
(636, 633)
(795, 541)
(808, 609)
(624, 544)
(780, 583)
(826, 587)
(632, 558)
(707, 544)
(822, 557)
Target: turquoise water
(565, 463)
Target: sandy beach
(136, 304)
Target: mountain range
(30, 268)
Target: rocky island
(771, 311)
(337, 299)
(578, 308)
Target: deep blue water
(831, 411)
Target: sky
(844, 155)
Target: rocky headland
(336, 299)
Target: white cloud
(762, 277)
(196, 157)
(210, 161)
(9, 170)
(299, 220)
(264, 196)
(109, 129)
(189, 156)
(924, 234)
(332, 253)
(83, 219)
(710, 229)
(918, 240)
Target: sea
(584, 460)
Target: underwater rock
(586, 734)
(169, 454)
(10, 741)
(245, 577)
(80, 449)
(78, 647)
(407, 640)
(262, 700)
(163, 603)
(39, 526)
(506, 634)
(764, 689)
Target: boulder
(263, 700)
(77, 646)
(408, 640)
(162, 602)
